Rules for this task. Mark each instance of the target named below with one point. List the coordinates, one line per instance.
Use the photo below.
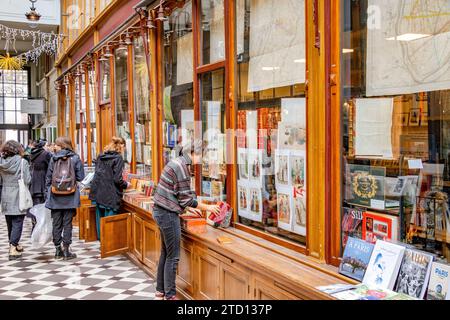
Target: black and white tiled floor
(37, 276)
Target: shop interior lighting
(150, 23)
(161, 15)
(300, 60)
(409, 37)
(33, 15)
(347, 50)
(270, 68)
(128, 40)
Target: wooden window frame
(100, 86)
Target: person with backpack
(107, 186)
(173, 195)
(40, 160)
(12, 168)
(62, 194)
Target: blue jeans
(170, 228)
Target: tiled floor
(38, 276)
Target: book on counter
(378, 226)
(384, 265)
(355, 258)
(439, 282)
(414, 273)
(365, 292)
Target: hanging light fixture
(128, 40)
(107, 53)
(150, 23)
(122, 47)
(161, 15)
(66, 80)
(33, 15)
(102, 57)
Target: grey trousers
(62, 226)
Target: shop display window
(395, 129)
(212, 31)
(271, 117)
(93, 113)
(178, 119)
(212, 108)
(121, 102)
(143, 124)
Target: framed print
(414, 117)
(284, 208)
(299, 211)
(297, 168)
(282, 167)
(255, 165)
(242, 196)
(254, 203)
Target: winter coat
(71, 201)
(10, 173)
(108, 184)
(40, 160)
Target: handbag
(25, 199)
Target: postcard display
(271, 148)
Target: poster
(185, 58)
(297, 167)
(284, 208)
(187, 125)
(243, 163)
(167, 104)
(282, 167)
(373, 124)
(129, 148)
(293, 111)
(367, 186)
(407, 47)
(280, 23)
(299, 211)
(242, 196)
(252, 195)
(291, 137)
(216, 190)
(252, 129)
(255, 165)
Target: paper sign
(377, 204)
(415, 164)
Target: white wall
(14, 10)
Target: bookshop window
(93, 113)
(83, 132)
(78, 123)
(212, 102)
(212, 31)
(105, 80)
(142, 109)
(271, 120)
(396, 132)
(178, 124)
(122, 112)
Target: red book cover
(242, 127)
(379, 226)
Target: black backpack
(64, 181)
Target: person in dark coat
(108, 184)
(12, 167)
(63, 207)
(39, 159)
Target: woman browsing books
(173, 194)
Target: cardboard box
(193, 224)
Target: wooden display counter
(85, 219)
(207, 269)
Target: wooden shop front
(290, 115)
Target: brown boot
(13, 253)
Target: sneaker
(19, 248)
(67, 254)
(13, 253)
(172, 298)
(159, 295)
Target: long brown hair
(64, 143)
(116, 145)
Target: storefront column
(316, 128)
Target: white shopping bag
(42, 233)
